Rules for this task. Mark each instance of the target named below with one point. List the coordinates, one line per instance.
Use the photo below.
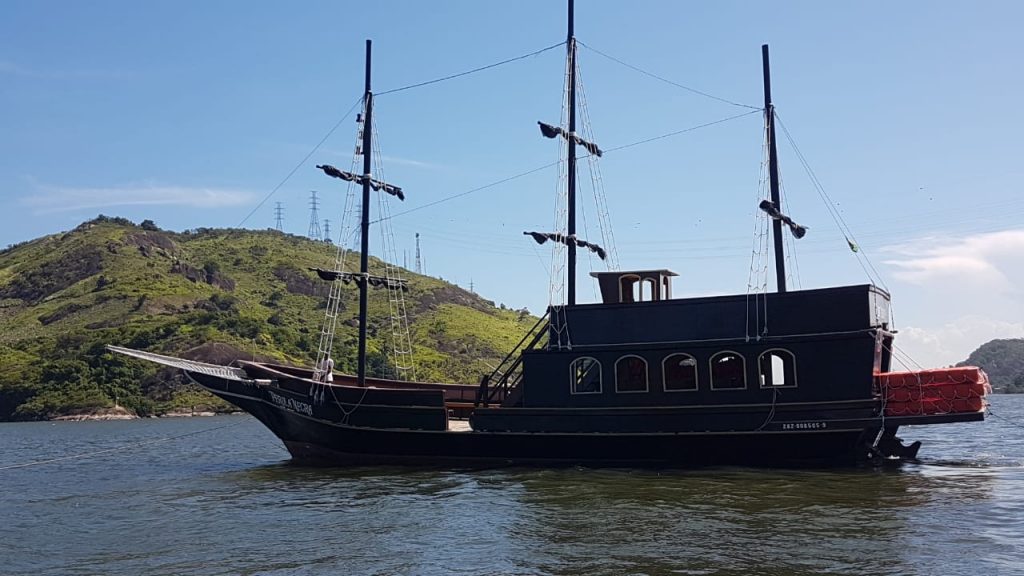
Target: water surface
(225, 500)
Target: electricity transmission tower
(419, 261)
(314, 217)
(279, 216)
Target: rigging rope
(347, 233)
(301, 163)
(551, 164)
(596, 183)
(858, 251)
(401, 343)
(757, 274)
(473, 71)
(666, 80)
(119, 448)
(683, 131)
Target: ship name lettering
(291, 404)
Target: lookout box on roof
(635, 286)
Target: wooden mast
(364, 256)
(570, 44)
(773, 172)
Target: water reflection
(585, 521)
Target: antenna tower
(278, 216)
(314, 218)
(419, 261)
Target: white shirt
(329, 369)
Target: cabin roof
(653, 272)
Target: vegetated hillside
(210, 295)
(1003, 361)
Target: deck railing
(496, 386)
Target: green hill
(208, 294)
(1003, 361)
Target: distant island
(1003, 361)
(207, 294)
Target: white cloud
(411, 162)
(51, 199)
(992, 259)
(958, 293)
(954, 341)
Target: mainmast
(773, 172)
(570, 46)
(364, 248)
(568, 238)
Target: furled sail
(377, 185)
(550, 131)
(349, 277)
(772, 210)
(542, 237)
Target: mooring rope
(119, 448)
(1004, 419)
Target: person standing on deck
(329, 370)
(326, 370)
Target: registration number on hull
(804, 425)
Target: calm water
(225, 501)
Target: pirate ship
(639, 378)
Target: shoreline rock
(116, 413)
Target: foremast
(391, 280)
(570, 47)
(364, 222)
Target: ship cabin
(639, 347)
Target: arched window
(585, 375)
(728, 371)
(777, 368)
(649, 290)
(680, 372)
(629, 288)
(631, 374)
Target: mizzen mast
(773, 172)
(569, 238)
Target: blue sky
(190, 114)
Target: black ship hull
(320, 430)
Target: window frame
(743, 370)
(634, 283)
(773, 386)
(572, 376)
(647, 375)
(664, 374)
